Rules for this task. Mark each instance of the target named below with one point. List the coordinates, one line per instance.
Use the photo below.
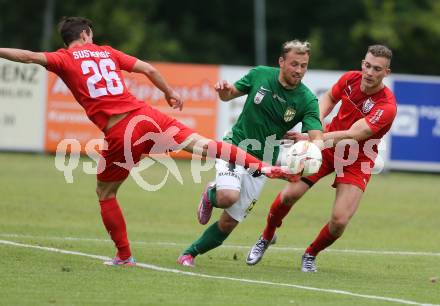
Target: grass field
(387, 256)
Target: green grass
(400, 212)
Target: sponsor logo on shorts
(228, 173)
(251, 206)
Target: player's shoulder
(261, 73)
(107, 47)
(104, 48)
(387, 97)
(385, 100)
(60, 55)
(61, 51)
(352, 75)
(264, 70)
(110, 51)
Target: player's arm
(226, 91)
(326, 105)
(23, 56)
(317, 137)
(172, 97)
(360, 130)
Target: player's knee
(227, 225)
(289, 197)
(99, 191)
(339, 223)
(104, 193)
(226, 199)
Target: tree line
(222, 31)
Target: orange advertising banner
(65, 118)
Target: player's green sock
(211, 238)
(212, 196)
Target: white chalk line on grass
(242, 280)
(163, 243)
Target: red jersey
(93, 75)
(378, 109)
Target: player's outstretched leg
(202, 146)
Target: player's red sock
(275, 217)
(324, 239)
(115, 224)
(234, 154)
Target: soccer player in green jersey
(276, 101)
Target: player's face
(374, 69)
(292, 68)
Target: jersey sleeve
(311, 120)
(126, 62)
(55, 61)
(245, 83)
(338, 87)
(381, 115)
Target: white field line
(242, 280)
(164, 243)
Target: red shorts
(350, 174)
(155, 132)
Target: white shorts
(238, 178)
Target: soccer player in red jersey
(367, 111)
(93, 75)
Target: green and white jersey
(270, 111)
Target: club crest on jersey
(367, 106)
(289, 114)
(259, 96)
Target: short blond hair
(300, 47)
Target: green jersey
(270, 111)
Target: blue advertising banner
(415, 137)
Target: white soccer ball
(303, 152)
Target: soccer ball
(303, 152)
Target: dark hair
(380, 51)
(70, 28)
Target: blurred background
(223, 31)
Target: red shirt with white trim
(93, 75)
(378, 109)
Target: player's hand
(223, 87)
(276, 172)
(174, 100)
(295, 136)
